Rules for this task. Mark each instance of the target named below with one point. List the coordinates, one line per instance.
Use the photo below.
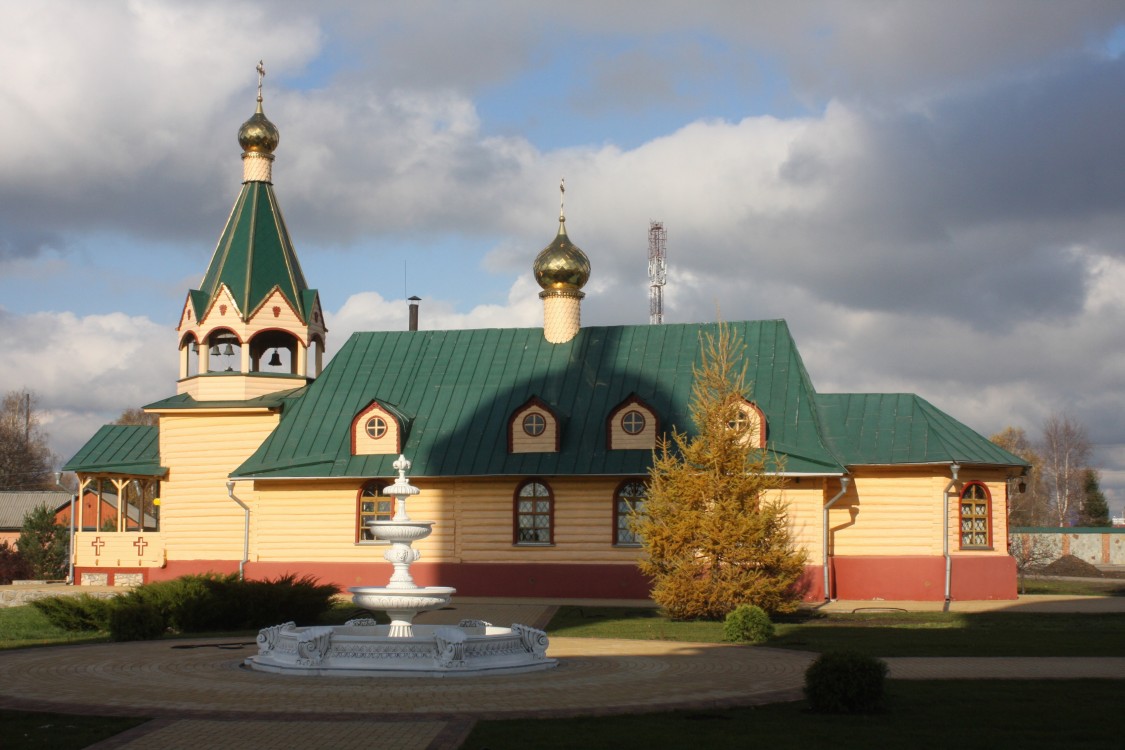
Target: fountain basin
(418, 599)
(401, 531)
(362, 648)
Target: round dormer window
(376, 427)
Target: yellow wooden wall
(885, 512)
(899, 512)
(198, 520)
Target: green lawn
(27, 626)
(1105, 587)
(965, 715)
(878, 634)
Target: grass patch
(1106, 587)
(966, 714)
(27, 626)
(876, 634)
(633, 623)
(958, 634)
(27, 730)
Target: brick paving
(200, 696)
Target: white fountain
(361, 647)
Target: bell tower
(253, 326)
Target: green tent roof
(461, 387)
(120, 449)
(254, 256)
(901, 428)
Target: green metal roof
(461, 387)
(120, 449)
(268, 401)
(254, 256)
(901, 428)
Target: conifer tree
(1095, 509)
(43, 544)
(715, 529)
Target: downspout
(844, 481)
(245, 529)
(954, 468)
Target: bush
(75, 613)
(747, 624)
(135, 620)
(213, 602)
(845, 682)
(12, 565)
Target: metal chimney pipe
(414, 312)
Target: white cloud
(85, 370)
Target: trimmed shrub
(12, 565)
(845, 682)
(747, 624)
(213, 602)
(76, 613)
(135, 620)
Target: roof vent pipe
(414, 313)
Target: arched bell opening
(274, 351)
(224, 351)
(189, 356)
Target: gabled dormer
(379, 430)
(632, 425)
(534, 427)
(253, 326)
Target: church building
(530, 446)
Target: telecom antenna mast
(657, 271)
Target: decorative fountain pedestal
(360, 647)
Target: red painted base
(861, 578)
(906, 578)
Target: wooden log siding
(316, 521)
(899, 513)
(198, 520)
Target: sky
(932, 194)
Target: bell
(275, 360)
(229, 350)
(215, 350)
(195, 348)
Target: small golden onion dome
(562, 264)
(258, 134)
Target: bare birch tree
(1066, 456)
(26, 461)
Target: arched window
(534, 513)
(976, 517)
(372, 505)
(628, 503)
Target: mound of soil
(1072, 567)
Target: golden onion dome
(258, 134)
(562, 264)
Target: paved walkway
(200, 697)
